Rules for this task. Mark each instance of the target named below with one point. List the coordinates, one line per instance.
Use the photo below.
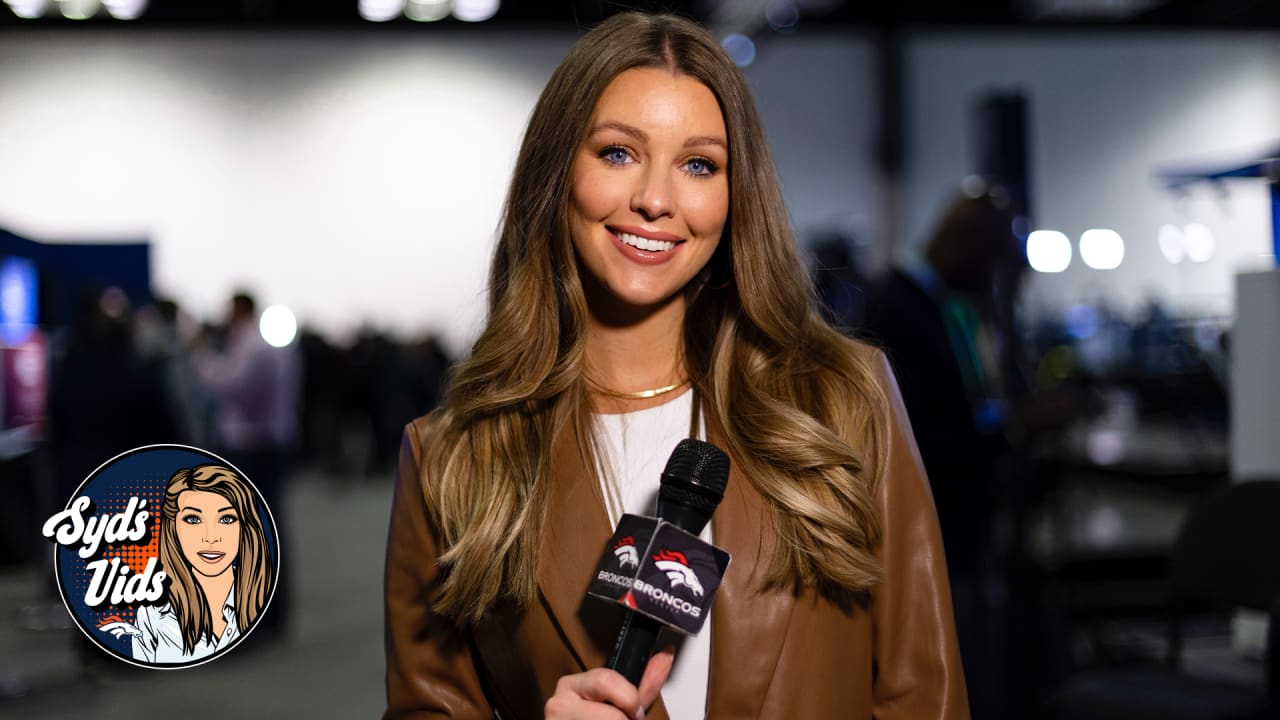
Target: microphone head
(695, 476)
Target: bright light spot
(126, 9)
(1048, 251)
(1101, 249)
(79, 9)
(475, 10)
(1200, 243)
(278, 326)
(427, 10)
(381, 10)
(740, 49)
(1172, 244)
(782, 15)
(29, 9)
(1105, 446)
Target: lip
(644, 257)
(642, 232)
(211, 556)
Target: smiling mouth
(211, 556)
(643, 243)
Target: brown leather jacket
(773, 654)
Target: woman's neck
(642, 354)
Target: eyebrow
(643, 136)
(198, 510)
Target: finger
(573, 708)
(602, 685)
(655, 675)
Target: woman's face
(208, 531)
(650, 188)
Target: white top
(161, 640)
(636, 446)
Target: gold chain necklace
(639, 394)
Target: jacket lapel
(575, 537)
(576, 531)
(748, 624)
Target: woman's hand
(603, 693)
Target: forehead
(660, 98)
(202, 500)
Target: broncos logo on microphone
(676, 566)
(626, 552)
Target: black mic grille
(699, 464)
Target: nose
(210, 536)
(653, 197)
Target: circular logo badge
(167, 556)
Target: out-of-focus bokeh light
(1101, 249)
(1200, 242)
(126, 9)
(740, 49)
(475, 10)
(29, 9)
(381, 10)
(114, 303)
(1172, 244)
(1105, 446)
(1105, 525)
(782, 15)
(278, 326)
(1048, 251)
(1082, 321)
(427, 10)
(974, 186)
(79, 9)
(1020, 226)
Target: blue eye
(191, 519)
(700, 166)
(615, 155)
(227, 519)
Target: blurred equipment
(1224, 558)
(24, 359)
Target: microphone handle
(635, 644)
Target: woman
(644, 264)
(214, 550)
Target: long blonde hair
(254, 572)
(792, 396)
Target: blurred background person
(945, 319)
(254, 387)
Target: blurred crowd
(126, 376)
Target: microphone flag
(660, 570)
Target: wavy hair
(254, 572)
(800, 409)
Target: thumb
(655, 675)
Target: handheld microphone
(692, 486)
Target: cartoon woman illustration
(214, 550)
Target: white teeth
(636, 241)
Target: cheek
(707, 211)
(594, 197)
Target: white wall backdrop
(1107, 111)
(356, 178)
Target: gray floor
(329, 665)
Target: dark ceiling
(1025, 14)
